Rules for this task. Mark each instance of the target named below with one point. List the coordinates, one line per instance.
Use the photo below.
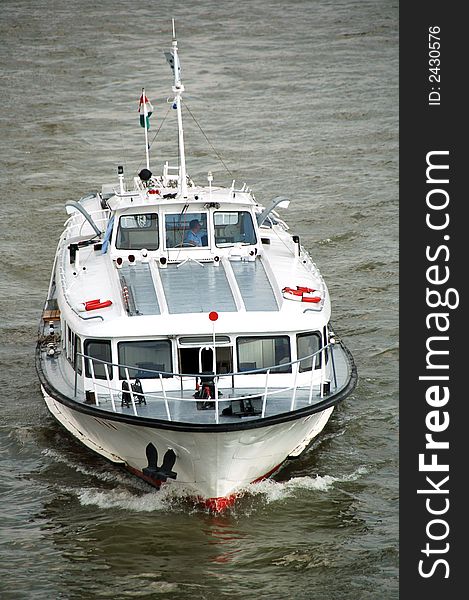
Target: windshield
(138, 231)
(233, 228)
(187, 230)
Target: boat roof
(244, 283)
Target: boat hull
(212, 466)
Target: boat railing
(322, 381)
(75, 223)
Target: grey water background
(300, 99)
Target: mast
(178, 88)
(145, 122)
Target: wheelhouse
(168, 229)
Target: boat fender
(94, 305)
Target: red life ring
(297, 292)
(301, 294)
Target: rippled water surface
(298, 98)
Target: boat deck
(181, 406)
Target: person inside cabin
(194, 236)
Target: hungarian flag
(145, 110)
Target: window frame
(201, 214)
(77, 358)
(278, 368)
(318, 363)
(156, 231)
(155, 375)
(103, 342)
(217, 212)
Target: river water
(297, 98)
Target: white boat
(186, 332)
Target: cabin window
(138, 231)
(186, 230)
(143, 355)
(307, 344)
(101, 351)
(265, 352)
(70, 340)
(74, 350)
(233, 228)
(78, 358)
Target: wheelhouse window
(186, 230)
(101, 351)
(307, 344)
(138, 231)
(144, 355)
(233, 228)
(264, 352)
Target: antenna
(174, 29)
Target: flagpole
(145, 123)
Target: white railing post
(313, 366)
(215, 381)
(266, 387)
(332, 347)
(131, 391)
(165, 398)
(296, 366)
(109, 387)
(323, 367)
(93, 379)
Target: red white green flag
(145, 110)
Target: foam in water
(115, 475)
(172, 497)
(157, 500)
(278, 490)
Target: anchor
(153, 470)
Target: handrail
(234, 374)
(165, 397)
(85, 213)
(300, 392)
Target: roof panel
(141, 287)
(193, 287)
(254, 285)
